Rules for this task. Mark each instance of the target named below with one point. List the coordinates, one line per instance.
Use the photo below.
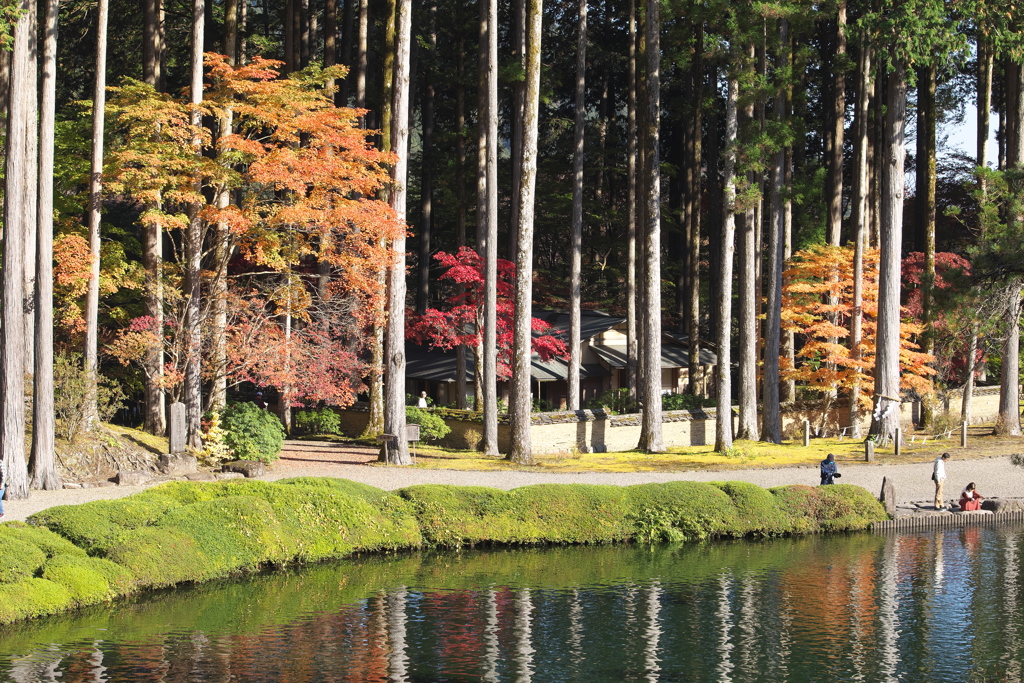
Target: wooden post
(963, 435)
(807, 432)
(898, 440)
(869, 451)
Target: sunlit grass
(745, 454)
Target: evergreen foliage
(252, 433)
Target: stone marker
(869, 451)
(176, 428)
(963, 435)
(250, 468)
(807, 432)
(177, 464)
(132, 477)
(888, 496)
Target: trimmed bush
(840, 507)
(322, 421)
(252, 433)
(758, 513)
(84, 583)
(32, 598)
(19, 560)
(432, 427)
(681, 511)
(185, 531)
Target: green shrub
(32, 598)
(70, 395)
(157, 558)
(84, 583)
(432, 428)
(685, 402)
(19, 560)
(50, 543)
(840, 507)
(758, 513)
(252, 433)
(94, 526)
(681, 511)
(186, 531)
(323, 421)
(614, 401)
(452, 516)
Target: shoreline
(995, 476)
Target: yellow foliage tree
(817, 303)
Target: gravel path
(995, 476)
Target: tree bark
(394, 385)
(984, 85)
(92, 298)
(926, 186)
(152, 43)
(426, 178)
(837, 119)
(650, 425)
(518, 94)
(348, 30)
(231, 30)
(154, 420)
(522, 348)
(886, 417)
(772, 427)
(746, 427)
(490, 341)
(375, 423)
(860, 217)
(694, 191)
(723, 379)
(193, 255)
(460, 227)
(1008, 421)
(971, 367)
(42, 463)
(361, 52)
(576, 257)
(19, 190)
(631, 179)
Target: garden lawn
(744, 455)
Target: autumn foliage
(458, 324)
(817, 304)
(305, 237)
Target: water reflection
(933, 606)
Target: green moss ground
(184, 532)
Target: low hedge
(183, 532)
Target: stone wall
(595, 431)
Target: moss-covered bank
(181, 532)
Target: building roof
(437, 365)
(672, 355)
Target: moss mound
(189, 532)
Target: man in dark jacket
(828, 470)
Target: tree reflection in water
(943, 605)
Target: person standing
(422, 402)
(828, 470)
(939, 477)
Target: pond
(937, 606)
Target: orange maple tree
(302, 178)
(817, 303)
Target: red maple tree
(459, 325)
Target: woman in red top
(970, 499)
